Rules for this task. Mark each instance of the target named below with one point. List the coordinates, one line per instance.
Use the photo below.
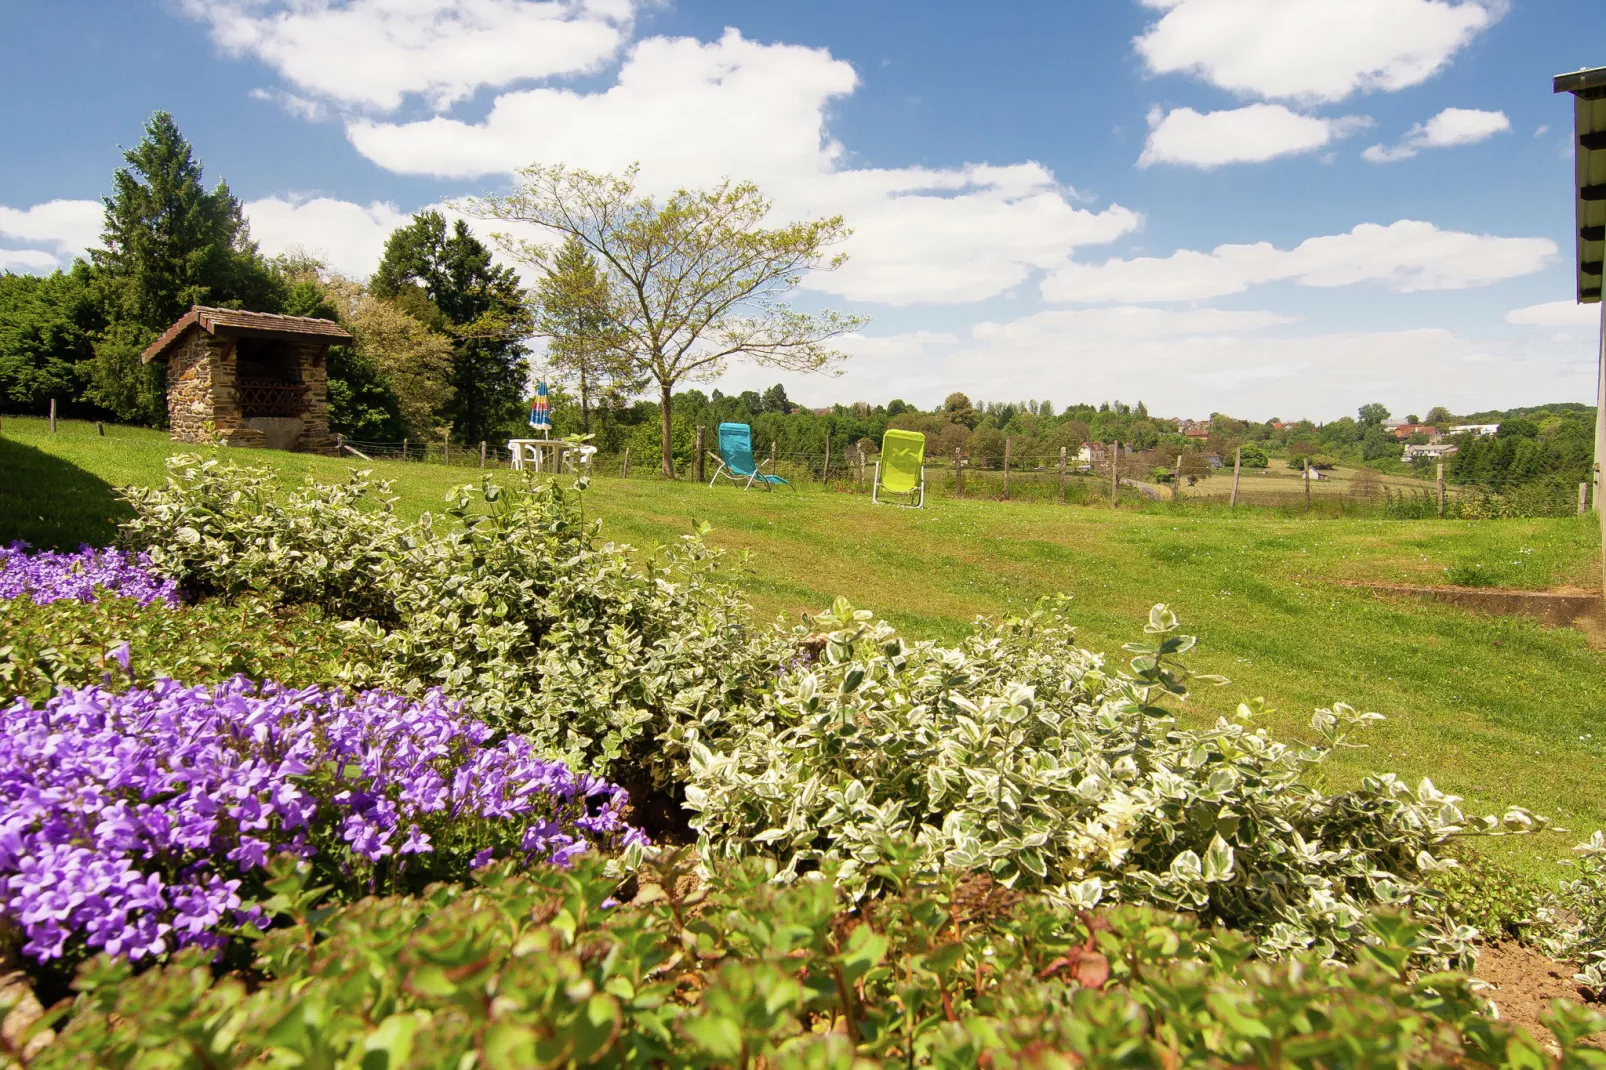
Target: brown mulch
(1522, 982)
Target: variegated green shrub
(508, 601)
(1020, 755)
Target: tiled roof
(210, 319)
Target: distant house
(1214, 460)
(1432, 451)
(1096, 453)
(1481, 430)
(1197, 432)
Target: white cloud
(1556, 314)
(1251, 134)
(312, 111)
(1311, 50)
(350, 238)
(68, 227)
(1192, 362)
(921, 235)
(1407, 257)
(1256, 372)
(1452, 126)
(374, 53)
(28, 261)
(1125, 323)
(770, 101)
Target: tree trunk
(585, 410)
(666, 441)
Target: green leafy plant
(44, 648)
(1497, 901)
(541, 968)
(508, 600)
(227, 530)
(1582, 935)
(1045, 766)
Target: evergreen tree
(446, 279)
(572, 311)
(168, 244)
(775, 400)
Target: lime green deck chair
(901, 469)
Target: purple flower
(119, 654)
(142, 821)
(48, 576)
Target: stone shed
(256, 378)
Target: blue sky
(1265, 207)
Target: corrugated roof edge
(1581, 81)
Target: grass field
(1500, 710)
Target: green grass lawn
(1500, 710)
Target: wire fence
(1053, 478)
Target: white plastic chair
(580, 458)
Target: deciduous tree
(693, 280)
(445, 278)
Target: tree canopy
(692, 281)
(445, 278)
(572, 311)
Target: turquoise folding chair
(901, 470)
(736, 459)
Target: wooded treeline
(438, 331)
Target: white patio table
(541, 454)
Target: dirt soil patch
(1522, 982)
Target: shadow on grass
(52, 504)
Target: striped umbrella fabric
(540, 411)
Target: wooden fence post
(52, 416)
(1307, 484)
(1583, 498)
(446, 449)
(404, 449)
(772, 456)
(625, 470)
(1441, 489)
(1237, 466)
(825, 472)
(1062, 475)
(482, 453)
(861, 467)
(1176, 480)
(959, 474)
(1115, 473)
(100, 429)
(1007, 440)
(697, 460)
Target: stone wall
(315, 436)
(202, 405)
(192, 385)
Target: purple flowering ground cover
(49, 576)
(139, 822)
